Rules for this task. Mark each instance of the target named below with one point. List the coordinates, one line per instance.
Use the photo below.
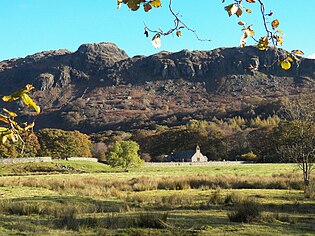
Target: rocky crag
(99, 87)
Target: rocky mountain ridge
(99, 87)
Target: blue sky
(30, 26)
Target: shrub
(150, 220)
(216, 197)
(246, 211)
(233, 199)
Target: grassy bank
(157, 201)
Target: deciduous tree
(124, 154)
(63, 144)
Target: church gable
(187, 156)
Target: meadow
(82, 198)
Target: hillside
(99, 87)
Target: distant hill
(99, 87)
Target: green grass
(54, 167)
(95, 199)
(227, 169)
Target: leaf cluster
(12, 130)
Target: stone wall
(209, 163)
(24, 160)
(41, 159)
(82, 159)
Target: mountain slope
(99, 87)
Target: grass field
(80, 198)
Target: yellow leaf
(30, 103)
(279, 31)
(156, 3)
(249, 31)
(251, 1)
(279, 39)
(3, 129)
(248, 10)
(290, 59)
(17, 95)
(295, 57)
(300, 52)
(29, 126)
(285, 64)
(5, 119)
(263, 43)
(12, 114)
(4, 139)
(275, 24)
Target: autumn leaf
(18, 94)
(30, 103)
(300, 52)
(263, 43)
(5, 119)
(156, 41)
(179, 33)
(239, 12)
(251, 1)
(248, 11)
(156, 3)
(146, 32)
(285, 64)
(231, 9)
(147, 7)
(241, 23)
(248, 32)
(275, 24)
(279, 39)
(29, 126)
(3, 130)
(12, 114)
(133, 4)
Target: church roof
(181, 155)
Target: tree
(124, 154)
(273, 37)
(98, 151)
(298, 143)
(297, 134)
(63, 144)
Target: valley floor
(179, 200)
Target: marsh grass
(158, 203)
(246, 211)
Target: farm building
(187, 156)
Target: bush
(150, 220)
(233, 199)
(216, 197)
(246, 211)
